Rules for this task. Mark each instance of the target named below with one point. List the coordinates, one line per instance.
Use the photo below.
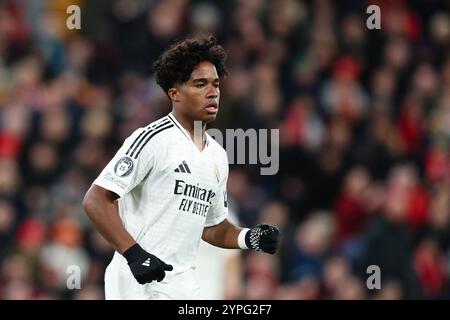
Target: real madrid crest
(217, 173)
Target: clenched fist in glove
(263, 237)
(145, 266)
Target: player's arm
(223, 235)
(100, 206)
(263, 237)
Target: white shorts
(121, 285)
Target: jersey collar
(184, 131)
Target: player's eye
(200, 85)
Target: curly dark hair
(176, 64)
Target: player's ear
(174, 94)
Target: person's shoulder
(154, 133)
(160, 123)
(217, 148)
(214, 144)
(159, 129)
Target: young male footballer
(164, 190)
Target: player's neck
(189, 125)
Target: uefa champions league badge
(216, 172)
(124, 167)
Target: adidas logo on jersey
(146, 263)
(183, 167)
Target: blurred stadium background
(364, 119)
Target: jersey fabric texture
(169, 191)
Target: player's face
(199, 96)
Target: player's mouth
(212, 108)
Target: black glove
(145, 266)
(263, 238)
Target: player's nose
(212, 93)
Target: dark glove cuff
(133, 253)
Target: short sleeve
(132, 162)
(219, 209)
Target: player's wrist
(134, 252)
(241, 239)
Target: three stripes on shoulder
(145, 136)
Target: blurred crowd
(364, 119)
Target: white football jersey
(169, 191)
